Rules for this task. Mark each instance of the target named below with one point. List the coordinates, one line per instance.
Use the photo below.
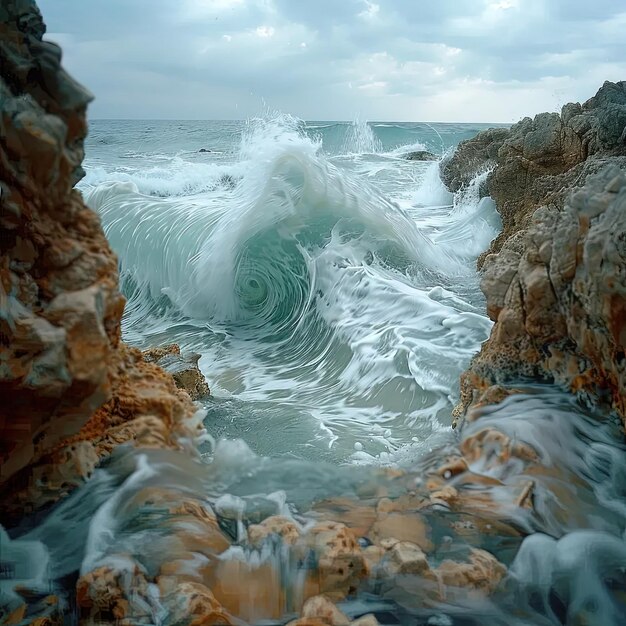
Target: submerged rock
(420, 155)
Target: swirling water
(328, 284)
(327, 281)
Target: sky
(395, 60)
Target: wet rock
(334, 559)
(182, 367)
(250, 591)
(275, 526)
(483, 572)
(321, 607)
(420, 155)
(406, 558)
(365, 620)
(402, 527)
(65, 375)
(558, 307)
(195, 605)
(113, 595)
(356, 515)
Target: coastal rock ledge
(555, 278)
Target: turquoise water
(326, 280)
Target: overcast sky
(403, 60)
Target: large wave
(310, 277)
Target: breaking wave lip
(290, 200)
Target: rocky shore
(555, 278)
(73, 392)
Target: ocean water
(327, 281)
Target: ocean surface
(327, 281)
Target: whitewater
(327, 281)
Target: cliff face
(64, 371)
(556, 289)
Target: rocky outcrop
(182, 367)
(70, 389)
(557, 285)
(538, 161)
(557, 295)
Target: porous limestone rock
(277, 526)
(482, 572)
(63, 367)
(333, 558)
(557, 295)
(182, 367)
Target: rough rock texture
(557, 293)
(557, 287)
(538, 161)
(63, 367)
(182, 367)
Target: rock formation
(538, 161)
(64, 372)
(556, 290)
(557, 294)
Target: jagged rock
(557, 296)
(65, 375)
(182, 367)
(538, 161)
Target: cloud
(450, 60)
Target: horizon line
(345, 121)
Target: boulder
(71, 390)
